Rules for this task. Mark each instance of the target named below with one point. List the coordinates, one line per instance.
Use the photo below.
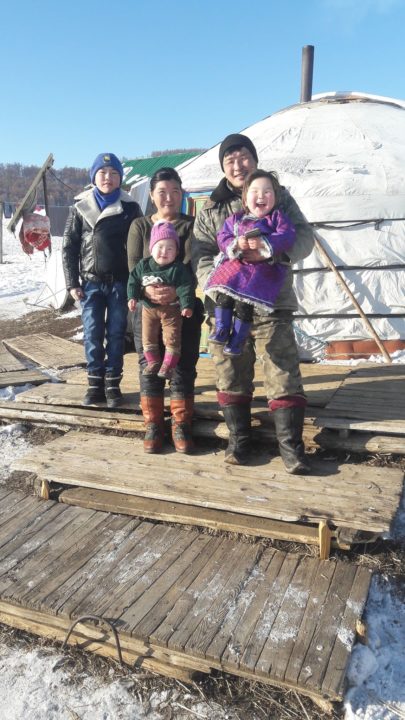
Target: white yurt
(342, 157)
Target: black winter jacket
(95, 242)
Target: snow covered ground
(34, 684)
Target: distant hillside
(62, 185)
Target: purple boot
(240, 332)
(223, 323)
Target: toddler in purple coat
(251, 268)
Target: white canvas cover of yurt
(342, 157)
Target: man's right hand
(160, 294)
(77, 293)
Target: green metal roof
(135, 170)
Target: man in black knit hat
(272, 338)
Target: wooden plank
(103, 643)
(30, 546)
(31, 570)
(360, 442)
(212, 599)
(188, 515)
(369, 399)
(47, 350)
(98, 529)
(321, 645)
(277, 587)
(93, 588)
(214, 613)
(85, 417)
(214, 558)
(26, 513)
(146, 591)
(335, 672)
(145, 562)
(22, 377)
(243, 615)
(344, 422)
(27, 539)
(204, 545)
(148, 603)
(276, 651)
(365, 498)
(9, 363)
(67, 394)
(313, 611)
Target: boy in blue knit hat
(96, 272)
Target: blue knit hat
(106, 160)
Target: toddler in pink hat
(162, 267)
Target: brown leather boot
(182, 415)
(152, 411)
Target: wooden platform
(371, 399)
(47, 350)
(361, 498)
(182, 601)
(14, 372)
(354, 496)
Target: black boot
(289, 424)
(112, 390)
(95, 394)
(237, 418)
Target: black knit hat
(236, 141)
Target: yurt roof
(342, 156)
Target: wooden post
(325, 537)
(342, 282)
(45, 490)
(29, 197)
(46, 203)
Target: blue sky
(134, 76)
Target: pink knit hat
(163, 230)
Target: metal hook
(96, 618)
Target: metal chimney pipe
(307, 72)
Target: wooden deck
(203, 490)
(345, 495)
(370, 399)
(182, 601)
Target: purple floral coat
(256, 283)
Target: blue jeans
(104, 316)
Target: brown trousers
(167, 317)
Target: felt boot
(152, 411)
(182, 415)
(289, 423)
(237, 418)
(237, 340)
(223, 324)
